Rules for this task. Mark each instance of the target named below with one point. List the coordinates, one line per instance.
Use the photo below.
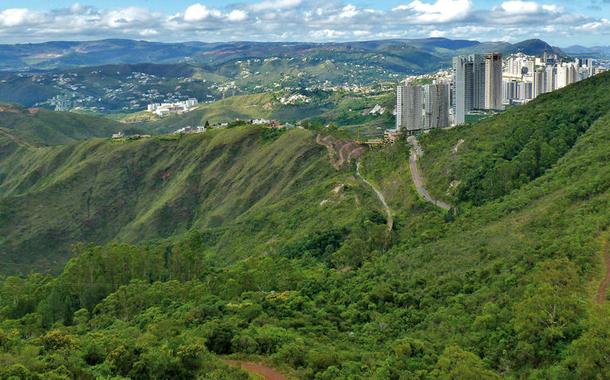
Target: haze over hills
(248, 241)
(412, 54)
(115, 76)
(593, 51)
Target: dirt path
(339, 151)
(265, 372)
(388, 211)
(417, 179)
(331, 152)
(603, 286)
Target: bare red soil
(267, 373)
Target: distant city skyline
(559, 22)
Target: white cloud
(18, 16)
(596, 25)
(527, 7)
(440, 11)
(348, 11)
(121, 18)
(237, 15)
(319, 20)
(198, 12)
(275, 5)
(148, 32)
(519, 7)
(326, 34)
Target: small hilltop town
(481, 84)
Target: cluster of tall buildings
(422, 107)
(485, 82)
(477, 84)
(525, 77)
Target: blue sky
(559, 22)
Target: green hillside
(343, 109)
(42, 127)
(288, 261)
(221, 181)
(500, 154)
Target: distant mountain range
(412, 54)
(593, 51)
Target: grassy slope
(224, 181)
(42, 127)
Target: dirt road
(603, 286)
(265, 372)
(388, 211)
(417, 152)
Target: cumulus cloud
(440, 11)
(525, 7)
(275, 5)
(19, 16)
(312, 20)
(237, 15)
(198, 12)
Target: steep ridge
(507, 151)
(133, 191)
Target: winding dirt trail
(388, 211)
(331, 152)
(416, 152)
(265, 372)
(603, 286)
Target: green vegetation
(246, 182)
(36, 126)
(286, 260)
(502, 153)
(343, 109)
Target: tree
(457, 364)
(590, 354)
(547, 316)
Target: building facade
(409, 108)
(493, 81)
(468, 85)
(436, 106)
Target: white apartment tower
(493, 81)
(436, 106)
(550, 78)
(539, 82)
(468, 85)
(409, 108)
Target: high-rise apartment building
(409, 108)
(436, 106)
(468, 85)
(550, 78)
(539, 82)
(493, 81)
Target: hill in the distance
(38, 126)
(89, 53)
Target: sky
(559, 22)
